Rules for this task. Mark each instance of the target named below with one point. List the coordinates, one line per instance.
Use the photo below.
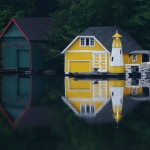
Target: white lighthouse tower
(116, 59)
(116, 92)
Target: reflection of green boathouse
(21, 41)
(23, 100)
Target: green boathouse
(21, 44)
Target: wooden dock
(10, 71)
(25, 71)
(97, 75)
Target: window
(134, 57)
(120, 52)
(83, 109)
(87, 41)
(112, 58)
(82, 41)
(134, 91)
(92, 41)
(87, 109)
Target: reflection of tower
(116, 92)
(116, 60)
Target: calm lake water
(62, 113)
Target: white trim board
(69, 105)
(85, 51)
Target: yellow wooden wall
(126, 58)
(139, 59)
(81, 93)
(78, 56)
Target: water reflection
(104, 100)
(34, 101)
(25, 100)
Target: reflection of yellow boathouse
(88, 97)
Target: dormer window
(92, 41)
(87, 41)
(82, 41)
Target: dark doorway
(145, 58)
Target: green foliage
(75, 16)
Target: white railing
(128, 67)
(145, 67)
(145, 82)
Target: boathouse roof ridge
(104, 35)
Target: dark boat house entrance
(16, 55)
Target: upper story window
(134, 91)
(87, 41)
(82, 41)
(134, 57)
(87, 109)
(92, 41)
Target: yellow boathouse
(91, 51)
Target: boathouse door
(100, 90)
(100, 62)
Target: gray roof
(104, 35)
(34, 28)
(147, 52)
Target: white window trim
(66, 49)
(85, 41)
(85, 105)
(93, 42)
(134, 91)
(135, 58)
